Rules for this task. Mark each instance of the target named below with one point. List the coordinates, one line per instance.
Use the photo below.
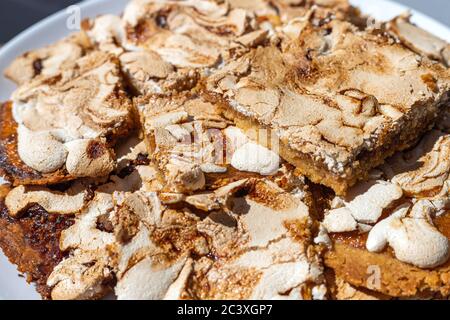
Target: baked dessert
(195, 147)
(336, 118)
(186, 150)
(121, 233)
(49, 60)
(62, 127)
(168, 46)
(235, 256)
(391, 235)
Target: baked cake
(396, 226)
(335, 117)
(282, 149)
(120, 232)
(61, 127)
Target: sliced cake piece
(124, 236)
(176, 252)
(339, 100)
(195, 147)
(167, 46)
(40, 227)
(393, 235)
(61, 127)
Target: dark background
(17, 15)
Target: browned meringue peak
(323, 9)
(148, 73)
(167, 253)
(86, 275)
(75, 115)
(47, 61)
(105, 32)
(145, 69)
(332, 108)
(419, 40)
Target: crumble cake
(195, 147)
(391, 234)
(226, 254)
(336, 117)
(62, 127)
(206, 206)
(121, 233)
(168, 46)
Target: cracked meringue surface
(214, 150)
(333, 115)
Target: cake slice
(97, 237)
(167, 46)
(393, 235)
(178, 252)
(195, 147)
(62, 127)
(339, 100)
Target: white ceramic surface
(54, 27)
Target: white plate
(54, 28)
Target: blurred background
(17, 15)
